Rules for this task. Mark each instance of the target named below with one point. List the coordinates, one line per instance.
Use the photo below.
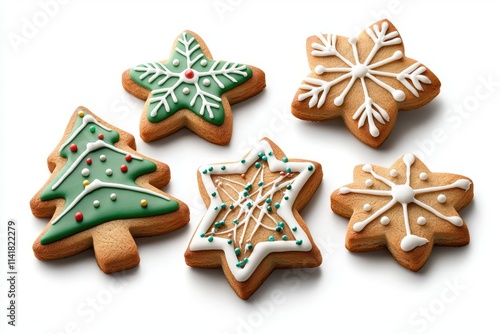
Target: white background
(75, 55)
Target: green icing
(98, 163)
(172, 89)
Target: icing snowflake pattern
(189, 80)
(251, 216)
(404, 195)
(369, 111)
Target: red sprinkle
(73, 147)
(100, 136)
(89, 161)
(128, 158)
(79, 216)
(189, 74)
(124, 168)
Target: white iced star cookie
(365, 80)
(252, 225)
(406, 208)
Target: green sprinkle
(229, 241)
(204, 171)
(219, 224)
(216, 208)
(237, 251)
(239, 264)
(284, 237)
(202, 235)
(257, 164)
(285, 159)
(223, 205)
(310, 168)
(264, 158)
(278, 229)
(271, 238)
(245, 193)
(92, 129)
(249, 246)
(261, 184)
(214, 194)
(210, 168)
(235, 221)
(210, 239)
(294, 228)
(270, 153)
(243, 161)
(248, 186)
(289, 187)
(286, 198)
(231, 206)
(223, 167)
(288, 170)
(269, 208)
(245, 260)
(277, 205)
(281, 224)
(298, 242)
(249, 204)
(260, 154)
(268, 200)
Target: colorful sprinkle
(214, 194)
(288, 170)
(257, 165)
(202, 235)
(277, 205)
(73, 147)
(229, 241)
(78, 216)
(86, 183)
(128, 158)
(96, 203)
(285, 159)
(223, 205)
(124, 168)
(189, 73)
(89, 161)
(205, 171)
(210, 238)
(81, 113)
(144, 203)
(243, 161)
(223, 167)
(288, 187)
(237, 251)
(109, 172)
(249, 246)
(112, 197)
(271, 238)
(85, 172)
(284, 237)
(239, 264)
(92, 128)
(298, 242)
(294, 228)
(310, 168)
(100, 136)
(102, 157)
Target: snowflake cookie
(406, 208)
(191, 90)
(252, 225)
(101, 194)
(365, 80)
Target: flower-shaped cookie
(405, 208)
(365, 80)
(191, 90)
(253, 225)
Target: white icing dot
(175, 62)
(102, 157)
(203, 62)
(393, 173)
(96, 203)
(85, 172)
(112, 196)
(421, 220)
(441, 198)
(423, 176)
(109, 172)
(185, 90)
(206, 82)
(320, 69)
(384, 220)
(367, 207)
(369, 182)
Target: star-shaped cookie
(365, 80)
(252, 224)
(406, 208)
(191, 90)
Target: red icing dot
(128, 157)
(79, 216)
(124, 168)
(89, 161)
(100, 136)
(189, 74)
(73, 147)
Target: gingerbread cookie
(102, 194)
(406, 208)
(252, 224)
(365, 80)
(191, 90)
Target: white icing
(369, 111)
(263, 248)
(109, 172)
(368, 182)
(404, 194)
(85, 172)
(86, 119)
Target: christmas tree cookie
(406, 208)
(191, 90)
(102, 194)
(364, 80)
(252, 225)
